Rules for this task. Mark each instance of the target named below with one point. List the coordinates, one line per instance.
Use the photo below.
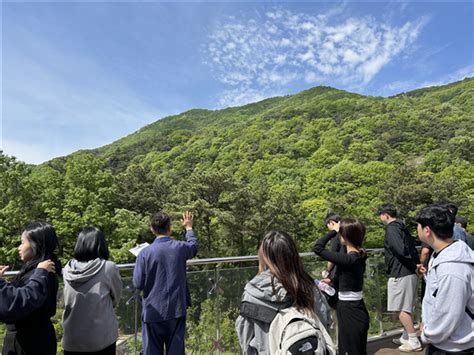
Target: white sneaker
(410, 347)
(399, 341)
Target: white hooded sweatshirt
(448, 298)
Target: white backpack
(292, 332)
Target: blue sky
(80, 75)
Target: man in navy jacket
(18, 302)
(160, 272)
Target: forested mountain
(281, 163)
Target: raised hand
(334, 226)
(47, 265)
(187, 220)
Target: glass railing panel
(2, 334)
(419, 300)
(211, 320)
(389, 320)
(315, 266)
(215, 294)
(373, 296)
(129, 317)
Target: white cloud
(242, 96)
(285, 42)
(373, 66)
(306, 57)
(350, 56)
(311, 77)
(286, 46)
(280, 59)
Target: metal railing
(216, 285)
(208, 261)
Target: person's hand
(420, 270)
(48, 265)
(335, 226)
(187, 220)
(326, 281)
(3, 269)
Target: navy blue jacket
(160, 271)
(17, 302)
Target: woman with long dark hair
(92, 288)
(17, 302)
(282, 282)
(35, 333)
(352, 315)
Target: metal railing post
(135, 298)
(215, 288)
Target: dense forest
(281, 163)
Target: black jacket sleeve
(334, 257)
(398, 243)
(17, 302)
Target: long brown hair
(278, 254)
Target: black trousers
(38, 339)
(433, 350)
(353, 327)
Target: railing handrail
(219, 260)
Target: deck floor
(386, 347)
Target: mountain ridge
(191, 120)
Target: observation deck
(216, 286)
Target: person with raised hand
(34, 334)
(17, 302)
(160, 272)
(352, 315)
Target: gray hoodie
(449, 290)
(253, 334)
(91, 291)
